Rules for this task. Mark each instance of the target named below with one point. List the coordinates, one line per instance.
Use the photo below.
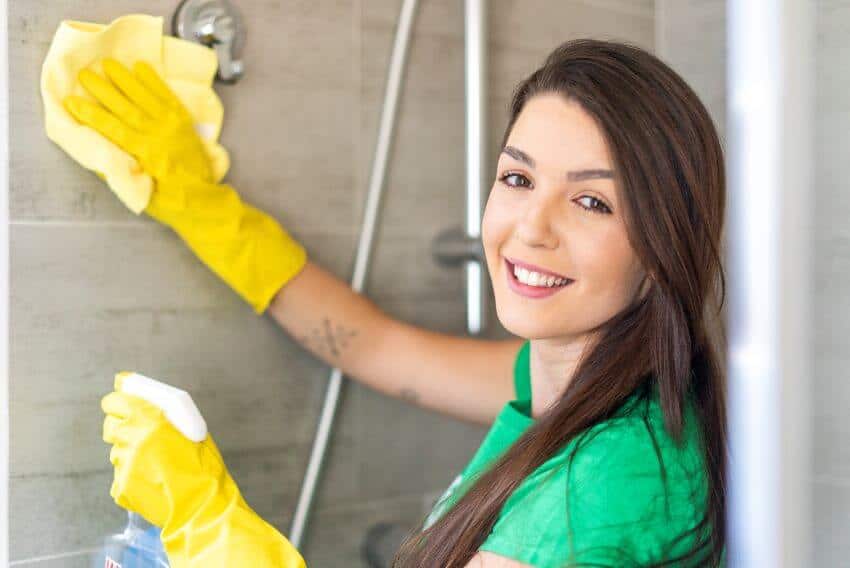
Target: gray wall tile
(832, 517)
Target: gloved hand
(246, 247)
(185, 488)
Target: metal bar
(769, 77)
(475, 63)
(364, 249)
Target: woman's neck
(552, 364)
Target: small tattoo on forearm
(327, 339)
(409, 395)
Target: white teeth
(536, 279)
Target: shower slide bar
(449, 248)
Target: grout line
(75, 223)
(395, 231)
(69, 554)
(50, 223)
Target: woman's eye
(596, 205)
(512, 175)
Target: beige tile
(89, 301)
(424, 185)
(547, 19)
(336, 535)
(292, 153)
(830, 400)
(64, 513)
(404, 268)
(394, 457)
(433, 17)
(541, 24)
(434, 64)
(696, 48)
(830, 519)
(308, 44)
(73, 511)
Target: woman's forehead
(558, 133)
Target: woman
(611, 451)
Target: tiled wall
(693, 34)
(96, 289)
(831, 283)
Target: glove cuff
(246, 247)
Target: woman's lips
(527, 290)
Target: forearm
(332, 321)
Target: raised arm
(467, 378)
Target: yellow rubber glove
(185, 488)
(246, 247)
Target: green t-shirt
(612, 506)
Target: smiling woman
(564, 218)
(601, 234)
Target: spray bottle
(139, 545)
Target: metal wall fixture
(455, 246)
(216, 24)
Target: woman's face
(554, 205)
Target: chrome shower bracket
(216, 24)
(453, 247)
(456, 247)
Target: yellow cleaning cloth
(187, 67)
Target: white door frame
(770, 115)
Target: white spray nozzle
(176, 404)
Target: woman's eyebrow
(577, 175)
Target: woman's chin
(520, 326)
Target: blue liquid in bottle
(138, 546)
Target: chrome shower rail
(455, 245)
(364, 249)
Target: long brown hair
(670, 177)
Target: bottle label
(109, 563)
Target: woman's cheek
(492, 224)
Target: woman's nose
(535, 227)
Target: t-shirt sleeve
(532, 524)
(610, 507)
